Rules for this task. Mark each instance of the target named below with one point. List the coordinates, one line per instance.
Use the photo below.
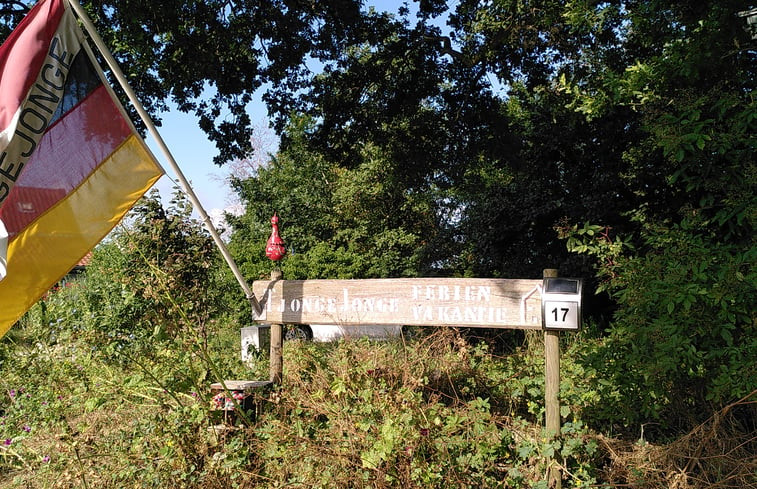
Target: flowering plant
(220, 401)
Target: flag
(71, 162)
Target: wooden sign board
(483, 303)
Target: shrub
(683, 342)
(429, 414)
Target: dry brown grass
(720, 453)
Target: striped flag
(71, 163)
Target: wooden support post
(277, 336)
(552, 391)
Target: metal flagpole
(116, 70)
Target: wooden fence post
(551, 392)
(276, 354)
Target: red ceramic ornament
(275, 249)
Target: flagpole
(116, 70)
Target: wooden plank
(487, 303)
(240, 385)
(552, 382)
(552, 393)
(276, 363)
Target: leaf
(93, 403)
(727, 336)
(525, 451)
(338, 387)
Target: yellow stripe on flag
(44, 251)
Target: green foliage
(596, 241)
(432, 414)
(680, 266)
(683, 336)
(155, 276)
(98, 390)
(70, 418)
(417, 151)
(336, 222)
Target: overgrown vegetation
(431, 412)
(614, 140)
(91, 402)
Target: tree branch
(446, 48)
(8, 7)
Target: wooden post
(277, 360)
(551, 391)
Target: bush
(431, 414)
(683, 342)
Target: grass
(438, 410)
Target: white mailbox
(561, 303)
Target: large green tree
(682, 338)
(337, 223)
(460, 137)
(626, 126)
(520, 112)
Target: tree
(210, 57)
(681, 336)
(156, 276)
(336, 222)
(432, 100)
(459, 139)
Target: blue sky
(194, 154)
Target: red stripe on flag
(70, 150)
(23, 53)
